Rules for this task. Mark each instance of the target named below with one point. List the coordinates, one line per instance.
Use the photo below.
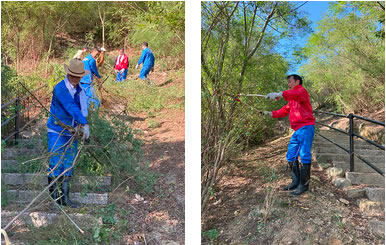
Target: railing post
(351, 118)
(17, 119)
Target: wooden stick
(73, 222)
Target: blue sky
(314, 12)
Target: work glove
(86, 132)
(103, 49)
(267, 113)
(136, 67)
(274, 95)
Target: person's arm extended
(94, 68)
(281, 112)
(64, 98)
(142, 59)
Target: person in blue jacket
(147, 58)
(86, 82)
(69, 107)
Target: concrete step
(44, 219)
(379, 161)
(24, 196)
(41, 179)
(337, 150)
(366, 178)
(359, 167)
(375, 194)
(346, 145)
(12, 153)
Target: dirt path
(159, 218)
(318, 217)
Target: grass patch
(154, 123)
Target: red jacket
(298, 107)
(121, 63)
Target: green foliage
(9, 84)
(116, 152)
(211, 235)
(40, 30)
(346, 58)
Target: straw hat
(76, 68)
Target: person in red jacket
(121, 64)
(303, 122)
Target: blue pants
(144, 72)
(56, 141)
(91, 96)
(121, 75)
(300, 144)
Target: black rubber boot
(66, 193)
(294, 166)
(54, 190)
(305, 174)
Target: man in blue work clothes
(147, 58)
(87, 81)
(68, 107)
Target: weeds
(211, 235)
(269, 201)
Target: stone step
(371, 208)
(375, 194)
(43, 219)
(27, 196)
(41, 179)
(378, 227)
(12, 153)
(9, 165)
(337, 150)
(30, 143)
(366, 178)
(379, 161)
(359, 167)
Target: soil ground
(237, 210)
(159, 218)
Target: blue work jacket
(66, 108)
(147, 57)
(90, 65)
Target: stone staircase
(364, 186)
(21, 184)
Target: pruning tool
(237, 98)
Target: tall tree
(346, 54)
(237, 38)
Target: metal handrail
(18, 112)
(336, 129)
(369, 120)
(330, 113)
(351, 134)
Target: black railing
(352, 134)
(15, 119)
